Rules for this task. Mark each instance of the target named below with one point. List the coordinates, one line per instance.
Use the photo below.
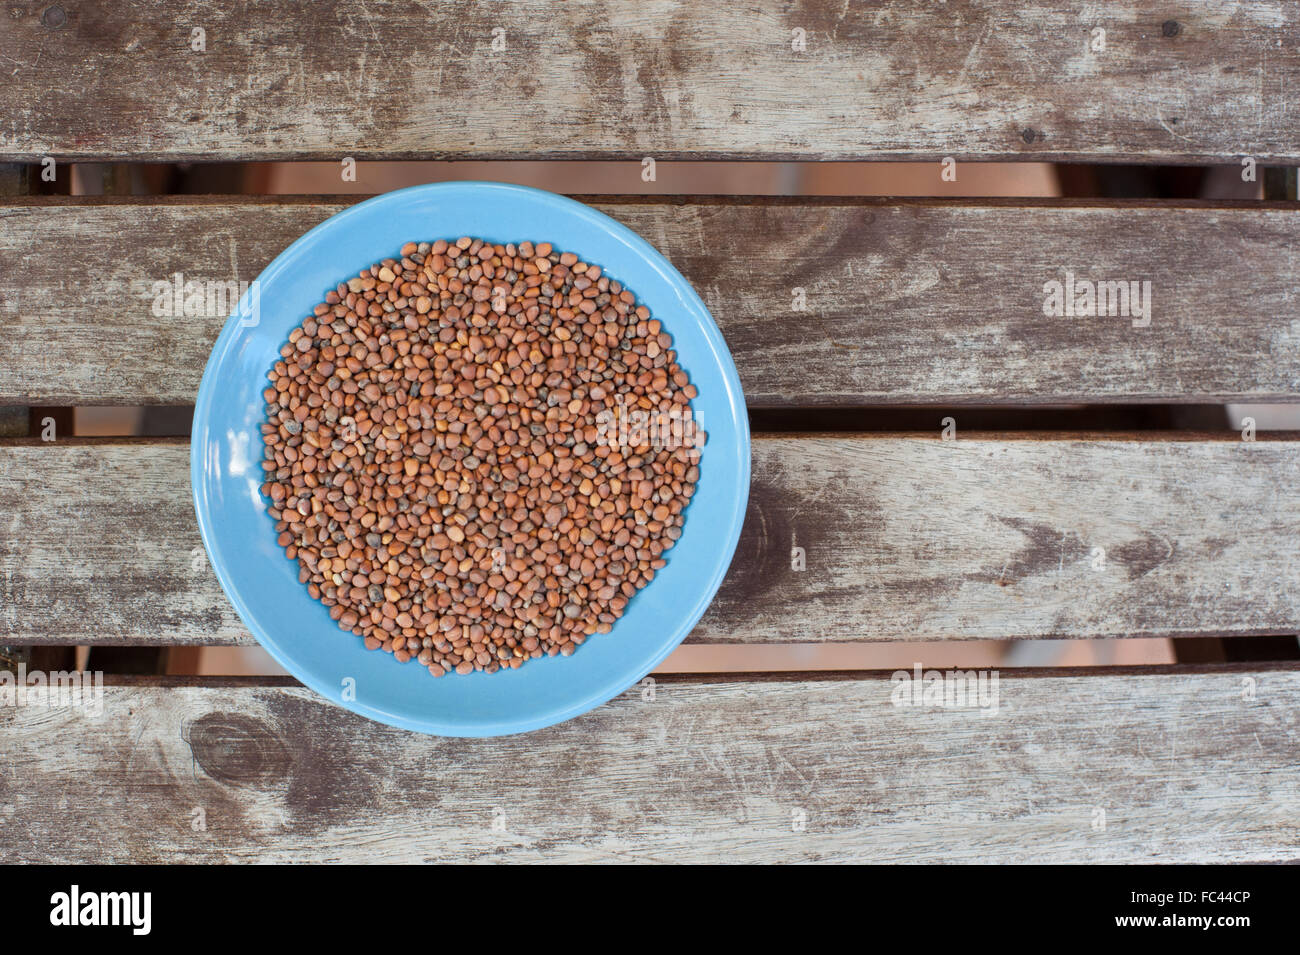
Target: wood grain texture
(1181, 767)
(908, 302)
(15, 180)
(1193, 80)
(904, 538)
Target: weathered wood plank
(15, 180)
(903, 538)
(1194, 80)
(1171, 766)
(911, 302)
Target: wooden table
(907, 536)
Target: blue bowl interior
(263, 584)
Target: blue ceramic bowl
(225, 468)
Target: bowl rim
(611, 688)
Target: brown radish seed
(477, 453)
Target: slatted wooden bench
(907, 536)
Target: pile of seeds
(448, 459)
